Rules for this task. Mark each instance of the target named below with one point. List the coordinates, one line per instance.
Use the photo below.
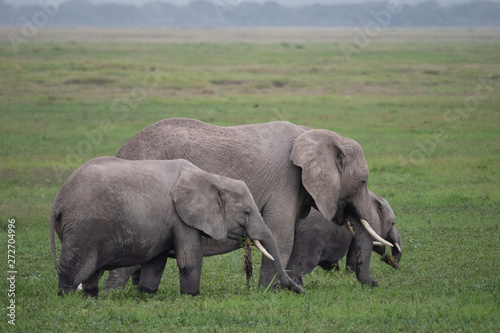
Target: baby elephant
(113, 213)
(323, 243)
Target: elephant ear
(198, 201)
(321, 158)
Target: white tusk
(374, 234)
(263, 250)
(80, 287)
(349, 228)
(378, 244)
(398, 247)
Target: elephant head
(384, 221)
(224, 208)
(335, 174)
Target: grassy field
(423, 104)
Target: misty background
(287, 3)
(249, 13)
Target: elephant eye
(380, 209)
(248, 211)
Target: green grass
(63, 102)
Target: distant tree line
(226, 13)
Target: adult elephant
(288, 169)
(319, 242)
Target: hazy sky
(233, 2)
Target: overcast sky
(232, 2)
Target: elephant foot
(196, 293)
(147, 290)
(372, 283)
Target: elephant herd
(185, 189)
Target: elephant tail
(54, 218)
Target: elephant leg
(314, 255)
(118, 278)
(136, 277)
(190, 277)
(91, 285)
(304, 258)
(293, 267)
(189, 261)
(151, 273)
(282, 225)
(350, 263)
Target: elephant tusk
(374, 234)
(395, 244)
(398, 247)
(263, 250)
(349, 228)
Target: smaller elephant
(115, 213)
(322, 243)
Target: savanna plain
(423, 104)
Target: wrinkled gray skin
(288, 169)
(319, 242)
(114, 213)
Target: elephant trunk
(358, 257)
(269, 243)
(263, 237)
(395, 238)
(359, 208)
(397, 253)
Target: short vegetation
(424, 105)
